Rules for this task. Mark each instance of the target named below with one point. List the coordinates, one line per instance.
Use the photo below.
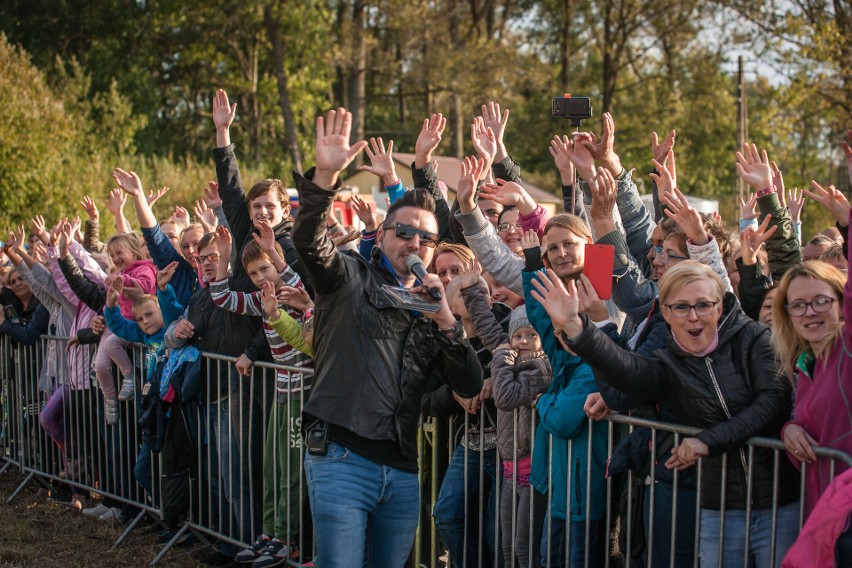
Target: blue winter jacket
(561, 414)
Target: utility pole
(742, 128)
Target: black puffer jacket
(372, 360)
(734, 393)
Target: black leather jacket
(733, 393)
(372, 360)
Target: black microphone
(415, 265)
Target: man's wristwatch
(457, 330)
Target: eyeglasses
(665, 256)
(506, 227)
(701, 309)
(203, 259)
(407, 232)
(820, 305)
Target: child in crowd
(135, 272)
(263, 260)
(150, 316)
(521, 372)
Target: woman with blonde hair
(815, 350)
(718, 373)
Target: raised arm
(322, 262)
(228, 170)
(425, 171)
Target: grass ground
(35, 532)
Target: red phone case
(598, 268)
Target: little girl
(520, 371)
(126, 255)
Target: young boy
(153, 314)
(263, 261)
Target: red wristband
(766, 191)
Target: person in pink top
(815, 348)
(125, 252)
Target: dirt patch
(36, 532)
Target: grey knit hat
(518, 320)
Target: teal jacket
(561, 415)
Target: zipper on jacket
(718, 390)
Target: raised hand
(53, 237)
(115, 203)
(749, 206)
(833, 200)
(484, 141)
(269, 300)
(428, 139)
(529, 240)
(128, 181)
(660, 150)
(666, 177)
(223, 116)
(115, 286)
(580, 155)
(493, 119)
(471, 170)
(223, 244)
(562, 304)
(266, 238)
(155, 195)
(686, 217)
(604, 190)
(165, 275)
(344, 238)
(561, 149)
(381, 161)
(754, 168)
(509, 193)
(778, 181)
(205, 216)
(65, 237)
(795, 202)
(211, 195)
(469, 275)
(296, 298)
(37, 228)
(751, 239)
(75, 228)
(181, 215)
(333, 152)
(604, 151)
(364, 212)
(91, 209)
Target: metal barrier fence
(477, 507)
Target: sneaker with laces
(112, 515)
(249, 555)
(275, 554)
(111, 411)
(128, 388)
(96, 511)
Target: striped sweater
(289, 385)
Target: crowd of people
(481, 311)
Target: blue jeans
(760, 540)
(555, 544)
(450, 513)
(365, 514)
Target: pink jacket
(822, 404)
(144, 274)
(815, 544)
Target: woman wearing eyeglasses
(717, 373)
(814, 347)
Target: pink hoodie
(144, 274)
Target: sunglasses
(407, 232)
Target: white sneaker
(112, 515)
(128, 387)
(96, 511)
(111, 411)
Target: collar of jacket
(380, 262)
(282, 228)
